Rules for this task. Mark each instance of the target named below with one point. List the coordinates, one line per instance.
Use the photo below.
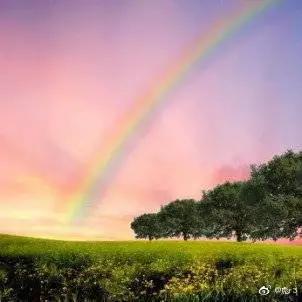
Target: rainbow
(105, 165)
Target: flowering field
(49, 270)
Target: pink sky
(69, 76)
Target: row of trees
(267, 206)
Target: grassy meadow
(50, 270)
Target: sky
(70, 72)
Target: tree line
(266, 206)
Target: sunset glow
(79, 80)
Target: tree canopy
(279, 212)
(180, 219)
(226, 212)
(147, 226)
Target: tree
(279, 212)
(227, 212)
(279, 217)
(282, 175)
(253, 195)
(180, 219)
(147, 226)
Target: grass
(139, 270)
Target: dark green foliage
(180, 219)
(279, 212)
(226, 212)
(147, 226)
(282, 175)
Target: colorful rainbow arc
(104, 167)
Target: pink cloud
(231, 173)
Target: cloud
(230, 173)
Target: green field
(49, 270)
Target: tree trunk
(238, 236)
(185, 236)
(150, 238)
